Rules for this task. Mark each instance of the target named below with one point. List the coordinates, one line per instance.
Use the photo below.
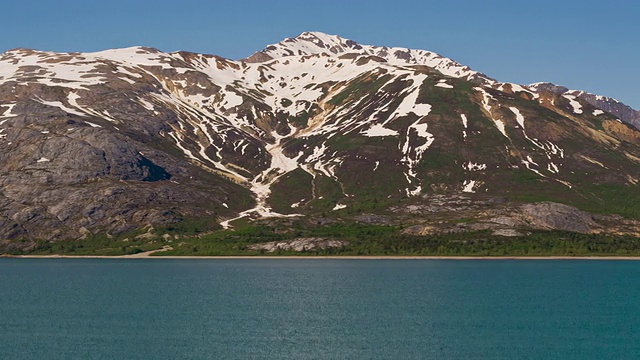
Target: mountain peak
(547, 86)
(333, 43)
(310, 35)
(307, 43)
(314, 42)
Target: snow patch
(60, 105)
(410, 102)
(577, 108)
(518, 88)
(468, 185)
(261, 184)
(500, 126)
(443, 84)
(339, 207)
(8, 112)
(519, 117)
(594, 161)
(464, 124)
(412, 156)
(379, 130)
(528, 164)
(231, 99)
(146, 104)
(486, 98)
(470, 166)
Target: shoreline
(345, 257)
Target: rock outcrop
(553, 216)
(299, 245)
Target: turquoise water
(319, 309)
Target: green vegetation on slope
(363, 240)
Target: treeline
(362, 240)
(389, 240)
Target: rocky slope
(109, 142)
(604, 103)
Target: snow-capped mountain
(314, 43)
(111, 141)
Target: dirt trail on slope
(147, 253)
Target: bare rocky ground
(460, 213)
(299, 245)
(447, 214)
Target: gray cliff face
(555, 216)
(68, 174)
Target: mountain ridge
(625, 112)
(310, 43)
(314, 125)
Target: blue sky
(582, 44)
